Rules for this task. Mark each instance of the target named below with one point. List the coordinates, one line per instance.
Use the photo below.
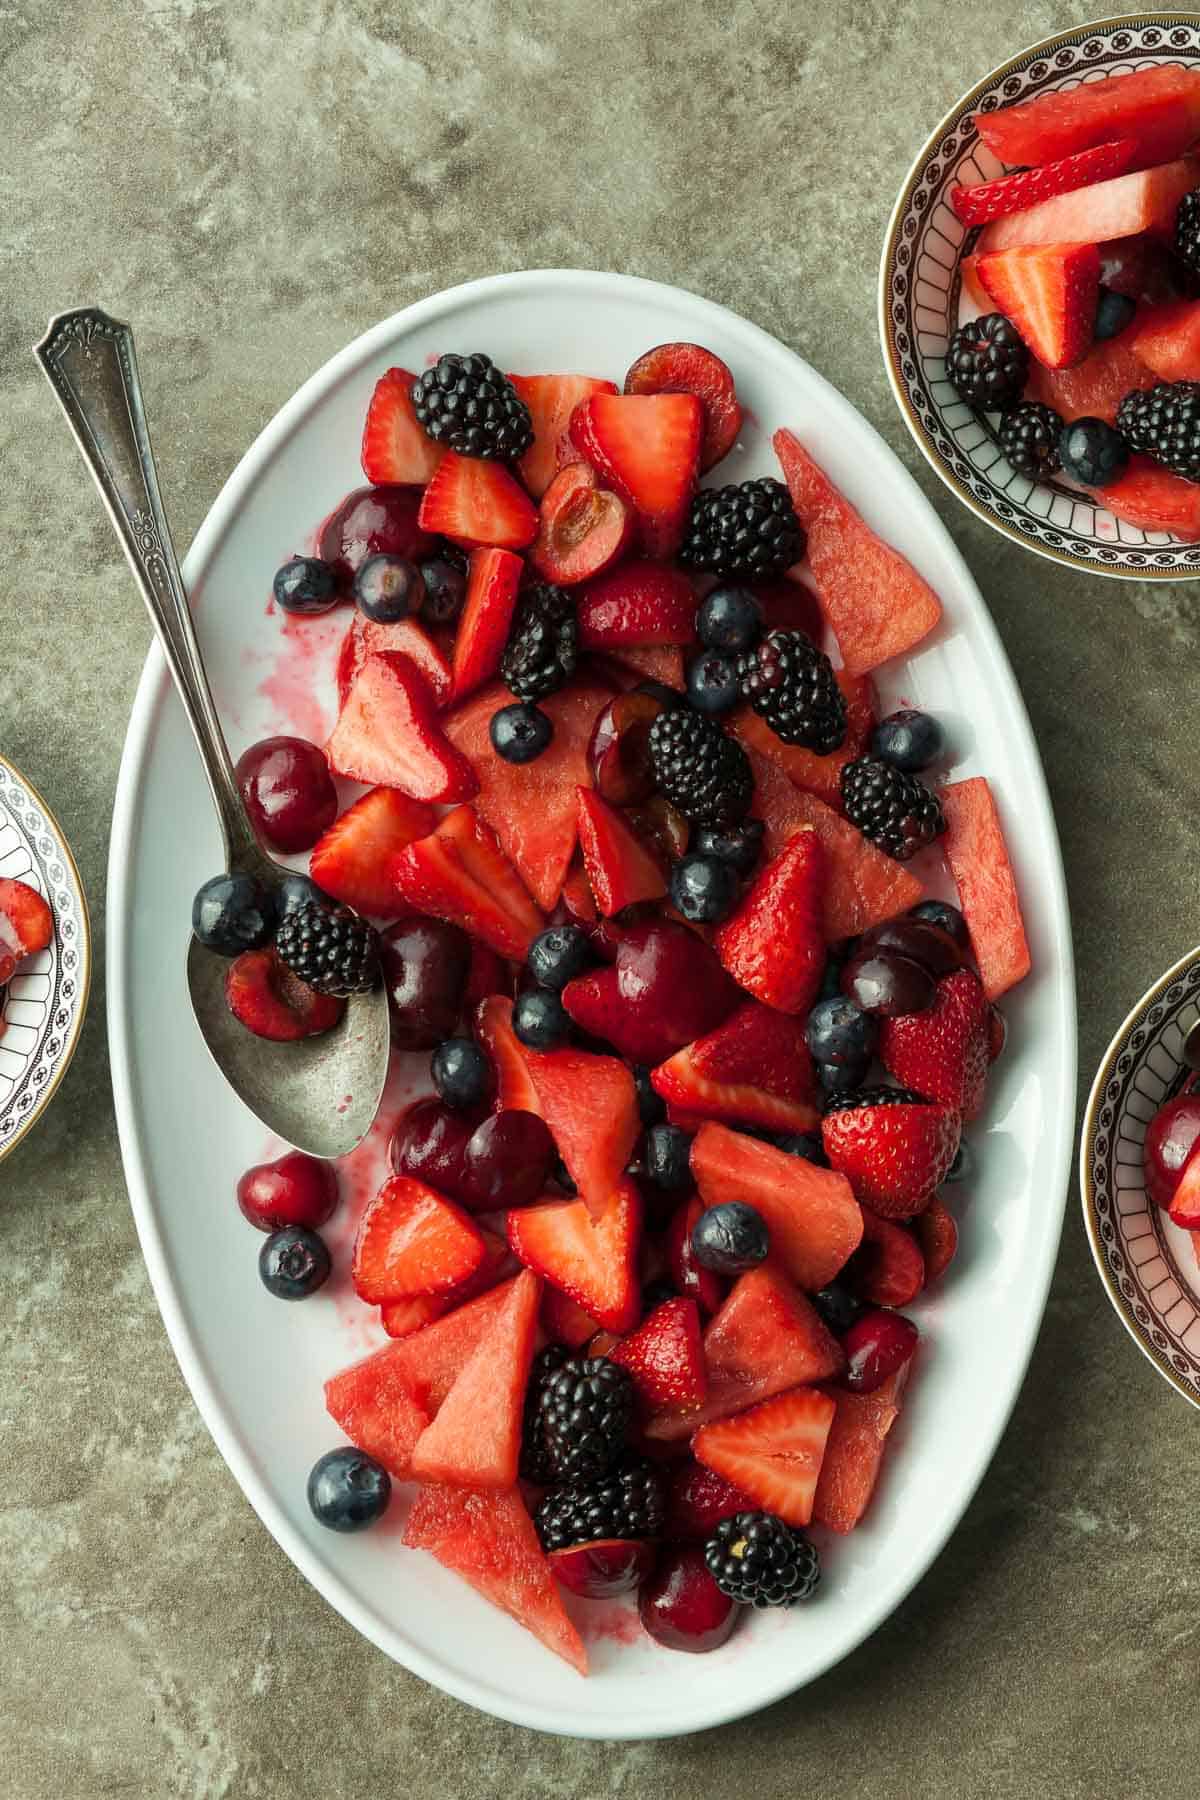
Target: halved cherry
(691, 369)
(619, 752)
(582, 527)
(605, 1567)
(272, 1002)
(681, 1605)
(663, 830)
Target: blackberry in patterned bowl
(1042, 263)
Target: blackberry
(1187, 230)
(1029, 436)
(791, 684)
(543, 644)
(535, 1458)
(747, 531)
(466, 403)
(893, 809)
(1164, 423)
(758, 1560)
(703, 773)
(875, 1096)
(585, 1411)
(330, 948)
(628, 1503)
(987, 363)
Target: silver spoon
(321, 1093)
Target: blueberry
(445, 591)
(294, 1263)
(963, 1166)
(908, 740)
(232, 913)
(558, 954)
(388, 588)
(940, 912)
(740, 845)
(704, 889)
(1113, 313)
(348, 1490)
(842, 1078)
(296, 891)
(1092, 452)
(520, 733)
(305, 585)
(461, 1073)
(729, 618)
(837, 1031)
(805, 1144)
(730, 1238)
(540, 1019)
(668, 1156)
(838, 1307)
(652, 1108)
(712, 685)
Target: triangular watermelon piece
(987, 892)
(854, 1451)
(1159, 107)
(475, 1440)
(620, 870)
(592, 1261)
(753, 1070)
(1094, 388)
(821, 775)
(375, 1405)
(533, 807)
(814, 1220)
(1119, 208)
(774, 1452)
(590, 1104)
(489, 1539)
(429, 1361)
(1155, 499)
(1167, 340)
(876, 602)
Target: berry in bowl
(1040, 298)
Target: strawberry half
(460, 873)
(989, 200)
(515, 1091)
(647, 449)
(564, 1320)
(590, 1104)
(388, 734)
(943, 1053)
(893, 1155)
(1049, 291)
(754, 1069)
(664, 1356)
(620, 870)
(592, 1261)
(774, 1451)
(351, 860)
(395, 448)
(814, 1221)
(691, 369)
(774, 944)
(582, 527)
(412, 1240)
(475, 1440)
(402, 1318)
(551, 400)
(697, 1501)
(367, 635)
(26, 922)
(639, 603)
(269, 1000)
(473, 502)
(493, 579)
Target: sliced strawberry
(664, 1356)
(937, 1235)
(515, 1091)
(876, 602)
(428, 1361)
(1155, 499)
(854, 1451)
(564, 1320)
(640, 603)
(473, 502)
(395, 448)
(1049, 291)
(697, 1501)
(690, 369)
(533, 807)
(814, 1221)
(988, 200)
(269, 1000)
(590, 1104)
(752, 1070)
(551, 400)
(475, 1439)
(582, 528)
(774, 943)
(690, 1278)
(1184, 1209)
(894, 1156)
(494, 576)
(821, 775)
(1159, 107)
(351, 860)
(647, 448)
(488, 1538)
(766, 1337)
(987, 891)
(591, 1260)
(388, 734)
(577, 899)
(943, 1051)
(620, 870)
(366, 635)
(376, 1407)
(1142, 202)
(460, 873)
(664, 989)
(888, 1268)
(401, 1318)
(26, 922)
(412, 1240)
(774, 1451)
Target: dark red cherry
(429, 1141)
(603, 1568)
(296, 1190)
(373, 521)
(619, 751)
(681, 1605)
(507, 1161)
(884, 982)
(877, 1344)
(919, 939)
(1171, 1136)
(288, 792)
(426, 968)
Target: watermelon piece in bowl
(1159, 108)
(1145, 201)
(1155, 500)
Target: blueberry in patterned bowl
(1114, 315)
(45, 956)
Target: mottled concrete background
(254, 182)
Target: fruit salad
(1080, 305)
(662, 900)
(1172, 1169)
(26, 927)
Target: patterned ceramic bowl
(1150, 1267)
(919, 289)
(44, 1004)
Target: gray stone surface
(255, 181)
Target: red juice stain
(298, 674)
(613, 1622)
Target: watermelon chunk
(475, 1439)
(1049, 291)
(489, 1539)
(754, 1069)
(1145, 201)
(428, 1362)
(814, 1220)
(374, 1404)
(877, 604)
(533, 807)
(1094, 388)
(1167, 340)
(987, 893)
(1155, 500)
(593, 1261)
(1158, 107)
(854, 1451)
(821, 775)
(590, 1104)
